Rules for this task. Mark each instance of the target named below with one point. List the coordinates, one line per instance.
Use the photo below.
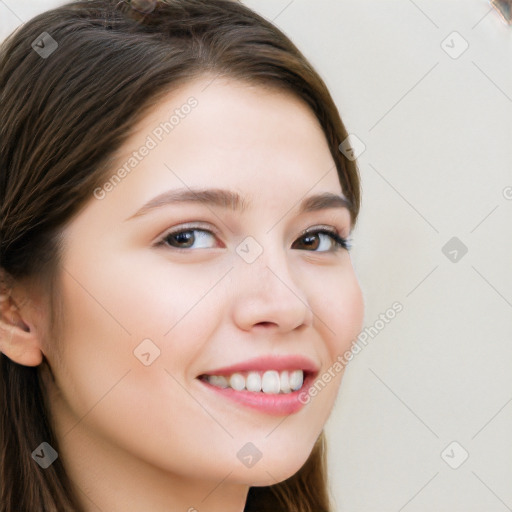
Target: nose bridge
(264, 263)
(266, 288)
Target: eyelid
(208, 227)
(187, 226)
(327, 227)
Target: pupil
(310, 240)
(184, 237)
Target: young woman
(176, 283)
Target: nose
(267, 295)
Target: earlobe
(18, 341)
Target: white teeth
(271, 381)
(253, 382)
(285, 382)
(219, 380)
(237, 381)
(296, 379)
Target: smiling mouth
(269, 381)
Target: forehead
(234, 132)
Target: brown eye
(312, 241)
(186, 238)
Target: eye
(186, 238)
(327, 239)
(316, 240)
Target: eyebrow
(227, 199)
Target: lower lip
(282, 404)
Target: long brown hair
(64, 114)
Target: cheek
(95, 344)
(339, 308)
(118, 313)
(152, 295)
(107, 390)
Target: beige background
(437, 164)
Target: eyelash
(339, 241)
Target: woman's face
(145, 313)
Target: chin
(270, 471)
(265, 480)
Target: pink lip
(279, 363)
(282, 404)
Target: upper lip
(270, 362)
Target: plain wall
(437, 164)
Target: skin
(136, 437)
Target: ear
(19, 340)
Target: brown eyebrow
(232, 200)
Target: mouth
(270, 385)
(270, 381)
